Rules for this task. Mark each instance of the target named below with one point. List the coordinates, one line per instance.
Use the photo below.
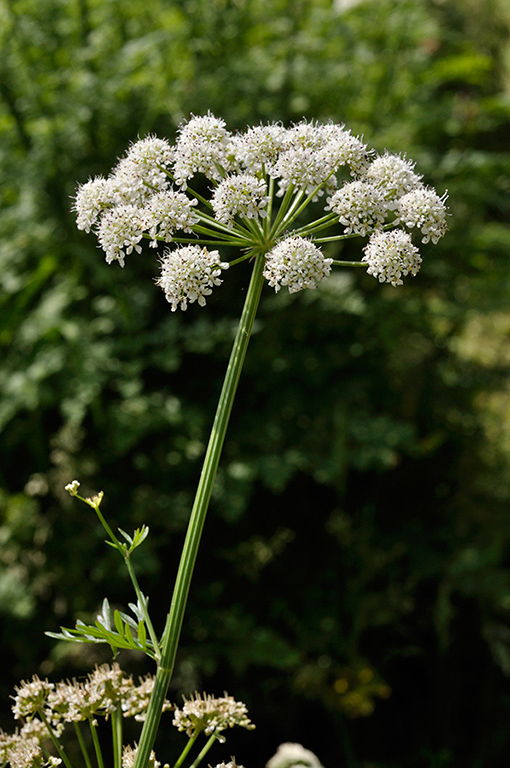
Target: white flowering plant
(266, 184)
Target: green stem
(116, 720)
(323, 223)
(97, 746)
(172, 631)
(182, 757)
(142, 601)
(55, 741)
(338, 263)
(267, 221)
(107, 528)
(217, 243)
(222, 233)
(82, 744)
(205, 750)
(282, 210)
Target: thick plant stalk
(172, 631)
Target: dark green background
(360, 524)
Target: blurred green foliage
(354, 586)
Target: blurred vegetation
(354, 585)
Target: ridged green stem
(172, 631)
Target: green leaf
(142, 635)
(129, 636)
(117, 618)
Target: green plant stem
(55, 740)
(204, 751)
(97, 746)
(350, 263)
(83, 746)
(142, 600)
(182, 757)
(172, 631)
(116, 720)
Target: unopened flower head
(241, 195)
(361, 207)
(189, 274)
(296, 263)
(424, 209)
(391, 255)
(72, 488)
(31, 697)
(291, 755)
(210, 715)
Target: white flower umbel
(31, 697)
(202, 147)
(92, 198)
(258, 148)
(361, 207)
(142, 171)
(166, 212)
(26, 754)
(394, 175)
(391, 256)
(345, 149)
(296, 263)
(268, 170)
(260, 182)
(208, 714)
(120, 232)
(242, 195)
(302, 161)
(424, 209)
(188, 274)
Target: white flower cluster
(261, 181)
(290, 755)
(210, 715)
(202, 147)
(167, 212)
(188, 274)
(391, 255)
(100, 693)
(424, 209)
(296, 263)
(311, 155)
(394, 175)
(129, 757)
(240, 195)
(361, 207)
